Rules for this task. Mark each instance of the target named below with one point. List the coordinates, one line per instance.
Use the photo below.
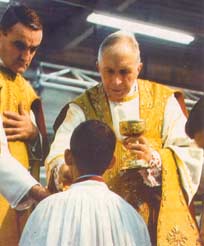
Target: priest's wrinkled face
(18, 45)
(119, 68)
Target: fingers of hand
(12, 115)
(21, 116)
(142, 140)
(135, 140)
(137, 146)
(21, 110)
(9, 123)
(13, 134)
(22, 126)
(129, 140)
(15, 137)
(11, 131)
(141, 151)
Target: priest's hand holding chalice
(136, 152)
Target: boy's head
(195, 123)
(92, 146)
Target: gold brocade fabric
(153, 98)
(175, 223)
(14, 90)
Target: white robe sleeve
(15, 180)
(175, 138)
(73, 118)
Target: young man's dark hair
(92, 146)
(195, 122)
(22, 14)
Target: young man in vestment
(195, 130)
(163, 146)
(20, 36)
(88, 213)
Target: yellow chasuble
(165, 212)
(14, 90)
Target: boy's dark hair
(195, 122)
(22, 14)
(92, 145)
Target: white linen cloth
(173, 134)
(87, 214)
(15, 180)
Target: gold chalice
(132, 128)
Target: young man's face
(199, 138)
(119, 68)
(18, 46)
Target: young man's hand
(18, 126)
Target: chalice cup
(132, 128)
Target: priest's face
(18, 45)
(199, 138)
(119, 68)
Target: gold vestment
(14, 90)
(165, 211)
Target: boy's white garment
(15, 180)
(87, 214)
